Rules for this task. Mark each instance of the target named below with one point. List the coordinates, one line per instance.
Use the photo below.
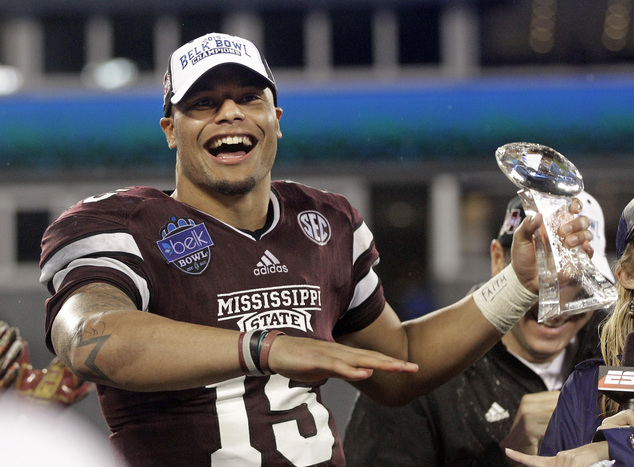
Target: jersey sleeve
(351, 254)
(91, 243)
(368, 300)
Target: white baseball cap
(592, 210)
(192, 60)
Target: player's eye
(203, 102)
(250, 97)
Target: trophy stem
(569, 283)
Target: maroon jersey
(308, 274)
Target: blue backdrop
(588, 116)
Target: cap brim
(187, 85)
(603, 266)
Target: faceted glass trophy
(569, 283)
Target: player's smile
(231, 148)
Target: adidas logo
(496, 413)
(269, 264)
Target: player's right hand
(12, 350)
(308, 360)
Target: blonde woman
(581, 409)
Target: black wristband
(254, 347)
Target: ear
(625, 278)
(167, 125)
(278, 113)
(498, 262)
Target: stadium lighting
(11, 80)
(110, 75)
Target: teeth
(231, 140)
(553, 323)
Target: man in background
(505, 399)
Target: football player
(211, 315)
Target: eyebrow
(199, 88)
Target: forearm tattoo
(92, 331)
(95, 337)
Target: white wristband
(503, 300)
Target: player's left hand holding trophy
(569, 283)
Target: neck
(246, 212)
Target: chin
(542, 355)
(544, 337)
(235, 188)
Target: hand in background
(621, 419)
(531, 421)
(582, 456)
(12, 350)
(55, 384)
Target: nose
(229, 111)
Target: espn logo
(611, 378)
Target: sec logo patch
(315, 226)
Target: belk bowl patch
(186, 245)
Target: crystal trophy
(569, 283)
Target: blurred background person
(503, 400)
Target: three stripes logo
(269, 264)
(496, 413)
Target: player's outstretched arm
(102, 337)
(447, 341)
